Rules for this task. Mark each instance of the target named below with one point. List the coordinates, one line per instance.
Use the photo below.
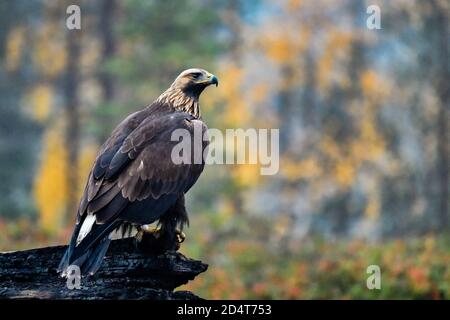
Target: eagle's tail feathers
(65, 259)
(88, 254)
(95, 259)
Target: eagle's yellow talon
(180, 236)
(156, 231)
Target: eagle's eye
(196, 75)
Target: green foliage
(160, 38)
(316, 269)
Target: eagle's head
(185, 91)
(193, 81)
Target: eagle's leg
(169, 235)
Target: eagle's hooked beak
(213, 80)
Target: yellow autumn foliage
(305, 169)
(294, 4)
(334, 54)
(330, 148)
(259, 93)
(373, 141)
(236, 114)
(373, 207)
(285, 47)
(40, 99)
(85, 162)
(231, 80)
(345, 172)
(236, 110)
(50, 55)
(373, 87)
(367, 145)
(50, 185)
(14, 48)
(247, 175)
(280, 49)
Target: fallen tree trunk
(125, 274)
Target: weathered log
(125, 274)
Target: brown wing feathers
(139, 168)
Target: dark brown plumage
(133, 180)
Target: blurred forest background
(364, 168)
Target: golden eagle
(134, 181)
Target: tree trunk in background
(309, 107)
(232, 20)
(286, 109)
(73, 46)
(231, 17)
(358, 63)
(107, 12)
(441, 76)
(108, 39)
